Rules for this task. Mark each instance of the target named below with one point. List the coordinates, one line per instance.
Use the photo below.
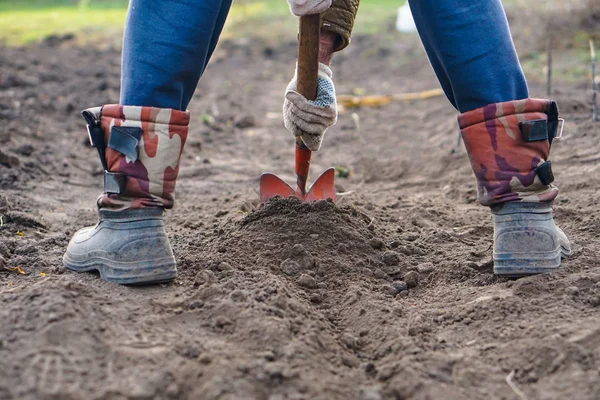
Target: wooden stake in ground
(594, 95)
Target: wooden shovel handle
(308, 72)
(308, 55)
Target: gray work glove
(306, 7)
(310, 119)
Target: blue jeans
(470, 48)
(167, 45)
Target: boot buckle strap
(114, 182)
(561, 121)
(544, 173)
(125, 140)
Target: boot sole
(128, 273)
(511, 265)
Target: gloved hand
(310, 119)
(306, 7)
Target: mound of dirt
(314, 238)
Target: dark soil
(389, 294)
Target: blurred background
(569, 24)
(23, 22)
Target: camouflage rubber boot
(139, 148)
(508, 145)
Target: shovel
(308, 69)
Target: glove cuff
(324, 69)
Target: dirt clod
(379, 274)
(390, 258)
(9, 160)
(290, 267)
(572, 290)
(224, 266)
(307, 281)
(376, 243)
(400, 286)
(412, 279)
(389, 289)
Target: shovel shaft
(308, 71)
(303, 155)
(308, 55)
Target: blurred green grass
(24, 22)
(30, 21)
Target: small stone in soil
(350, 361)
(290, 267)
(315, 298)
(379, 274)
(298, 250)
(398, 310)
(321, 205)
(393, 271)
(196, 304)
(402, 294)
(572, 290)
(307, 281)
(425, 268)
(225, 267)
(390, 258)
(405, 250)
(389, 289)
(204, 278)
(25, 150)
(349, 341)
(238, 296)
(377, 244)
(400, 286)
(9, 160)
(412, 279)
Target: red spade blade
(272, 186)
(322, 189)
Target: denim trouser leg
(166, 47)
(469, 45)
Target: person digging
(166, 48)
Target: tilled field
(389, 294)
